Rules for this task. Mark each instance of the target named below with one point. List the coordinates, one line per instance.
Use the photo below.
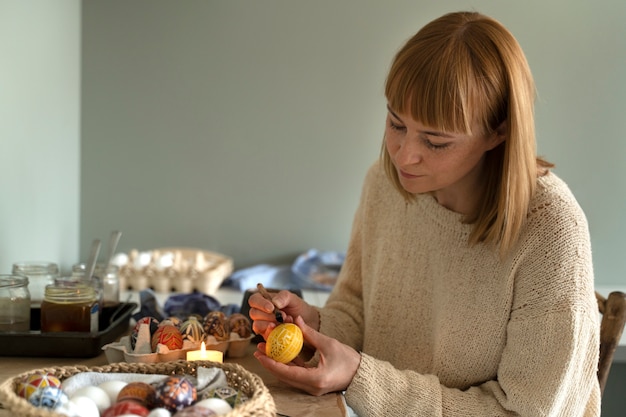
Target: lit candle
(205, 355)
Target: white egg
(112, 388)
(96, 394)
(85, 406)
(218, 405)
(120, 259)
(160, 412)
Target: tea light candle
(205, 355)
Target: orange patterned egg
(140, 392)
(169, 336)
(284, 343)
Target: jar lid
(70, 292)
(11, 281)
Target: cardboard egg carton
(173, 270)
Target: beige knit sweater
(451, 330)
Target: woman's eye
(434, 146)
(396, 127)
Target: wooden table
(289, 401)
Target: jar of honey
(70, 306)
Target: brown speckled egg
(192, 330)
(175, 393)
(141, 392)
(216, 325)
(240, 324)
(169, 336)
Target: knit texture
(445, 329)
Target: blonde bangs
(421, 74)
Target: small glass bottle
(39, 275)
(70, 306)
(14, 304)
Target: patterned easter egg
(48, 397)
(240, 324)
(192, 330)
(35, 381)
(284, 342)
(154, 324)
(229, 394)
(195, 411)
(169, 336)
(141, 392)
(124, 408)
(175, 393)
(216, 325)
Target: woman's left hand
(337, 365)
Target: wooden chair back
(613, 310)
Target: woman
(467, 288)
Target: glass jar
(70, 306)
(106, 278)
(14, 304)
(39, 275)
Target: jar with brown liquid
(70, 307)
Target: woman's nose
(408, 152)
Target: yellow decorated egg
(284, 343)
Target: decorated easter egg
(284, 342)
(169, 336)
(37, 380)
(231, 395)
(48, 397)
(96, 394)
(192, 330)
(217, 405)
(195, 411)
(175, 393)
(126, 407)
(240, 324)
(216, 325)
(151, 321)
(138, 391)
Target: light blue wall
(39, 131)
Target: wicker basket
(259, 404)
(192, 269)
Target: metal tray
(114, 321)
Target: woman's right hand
(262, 311)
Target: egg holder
(122, 350)
(259, 404)
(168, 270)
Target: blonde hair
(464, 70)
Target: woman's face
(449, 165)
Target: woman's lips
(407, 175)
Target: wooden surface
(289, 401)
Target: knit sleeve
(549, 362)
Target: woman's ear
(499, 135)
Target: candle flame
(203, 348)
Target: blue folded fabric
(181, 306)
